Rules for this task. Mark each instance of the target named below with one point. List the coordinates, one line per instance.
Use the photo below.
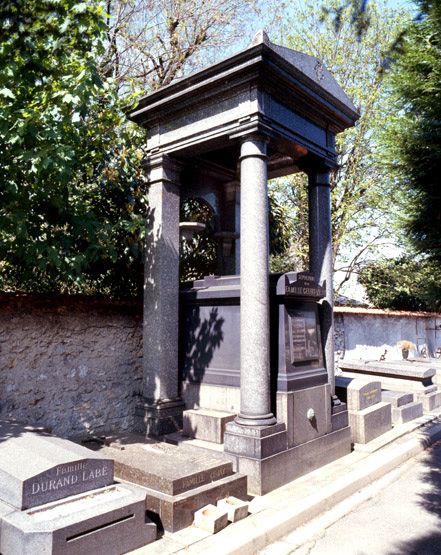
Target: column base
(254, 442)
(157, 418)
(263, 420)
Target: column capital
(253, 146)
(320, 176)
(163, 167)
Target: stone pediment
(309, 66)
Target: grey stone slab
(404, 384)
(406, 413)
(37, 468)
(206, 424)
(108, 521)
(370, 423)
(255, 442)
(396, 398)
(293, 407)
(267, 474)
(339, 420)
(404, 369)
(167, 468)
(5, 509)
(176, 512)
(430, 401)
(359, 393)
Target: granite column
(320, 259)
(255, 404)
(162, 411)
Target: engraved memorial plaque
(304, 338)
(37, 468)
(67, 479)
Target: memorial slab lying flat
(405, 376)
(177, 482)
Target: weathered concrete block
(109, 521)
(406, 413)
(371, 422)
(211, 518)
(236, 508)
(206, 424)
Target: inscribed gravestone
(36, 468)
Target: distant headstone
(37, 468)
(362, 394)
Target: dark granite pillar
(255, 434)
(162, 411)
(255, 405)
(320, 259)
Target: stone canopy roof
(308, 65)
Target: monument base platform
(267, 474)
(108, 521)
(157, 419)
(178, 482)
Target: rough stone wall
(71, 363)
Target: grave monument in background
(218, 135)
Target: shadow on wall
(161, 294)
(202, 337)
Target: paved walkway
(398, 515)
(297, 504)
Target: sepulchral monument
(256, 347)
(60, 498)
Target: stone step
(371, 422)
(396, 398)
(206, 424)
(406, 413)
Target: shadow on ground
(429, 501)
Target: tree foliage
(405, 283)
(363, 196)
(151, 42)
(70, 180)
(414, 135)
